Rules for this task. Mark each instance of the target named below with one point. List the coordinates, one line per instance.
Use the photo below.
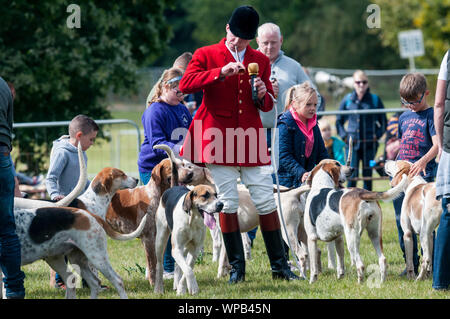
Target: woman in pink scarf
(301, 145)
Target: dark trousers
(365, 153)
(441, 260)
(10, 255)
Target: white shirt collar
(241, 53)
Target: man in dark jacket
(10, 258)
(365, 129)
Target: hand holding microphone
(259, 89)
(253, 69)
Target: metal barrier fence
(376, 163)
(121, 150)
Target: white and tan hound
(54, 232)
(421, 214)
(184, 214)
(332, 211)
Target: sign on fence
(411, 43)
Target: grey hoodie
(64, 170)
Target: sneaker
(168, 275)
(292, 266)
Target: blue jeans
(10, 255)
(441, 260)
(169, 262)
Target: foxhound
(97, 197)
(128, 207)
(421, 213)
(184, 214)
(332, 211)
(51, 233)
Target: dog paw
(159, 290)
(410, 275)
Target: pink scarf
(307, 131)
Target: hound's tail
(297, 192)
(391, 194)
(118, 236)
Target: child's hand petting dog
(59, 197)
(418, 167)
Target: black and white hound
(332, 211)
(184, 213)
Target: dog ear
(398, 177)
(156, 173)
(335, 172)
(208, 176)
(312, 173)
(187, 203)
(98, 187)
(174, 174)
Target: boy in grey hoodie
(64, 170)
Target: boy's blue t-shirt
(415, 130)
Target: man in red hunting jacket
(227, 136)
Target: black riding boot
(271, 232)
(233, 246)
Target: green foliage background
(60, 72)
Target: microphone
(253, 69)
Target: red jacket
(227, 128)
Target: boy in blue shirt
(418, 141)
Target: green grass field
(127, 258)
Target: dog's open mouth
(208, 219)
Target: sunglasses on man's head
(404, 102)
(361, 82)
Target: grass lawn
(128, 260)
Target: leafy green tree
(322, 33)
(432, 17)
(59, 71)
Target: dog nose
(190, 175)
(219, 206)
(352, 169)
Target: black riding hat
(244, 22)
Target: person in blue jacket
(301, 145)
(365, 129)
